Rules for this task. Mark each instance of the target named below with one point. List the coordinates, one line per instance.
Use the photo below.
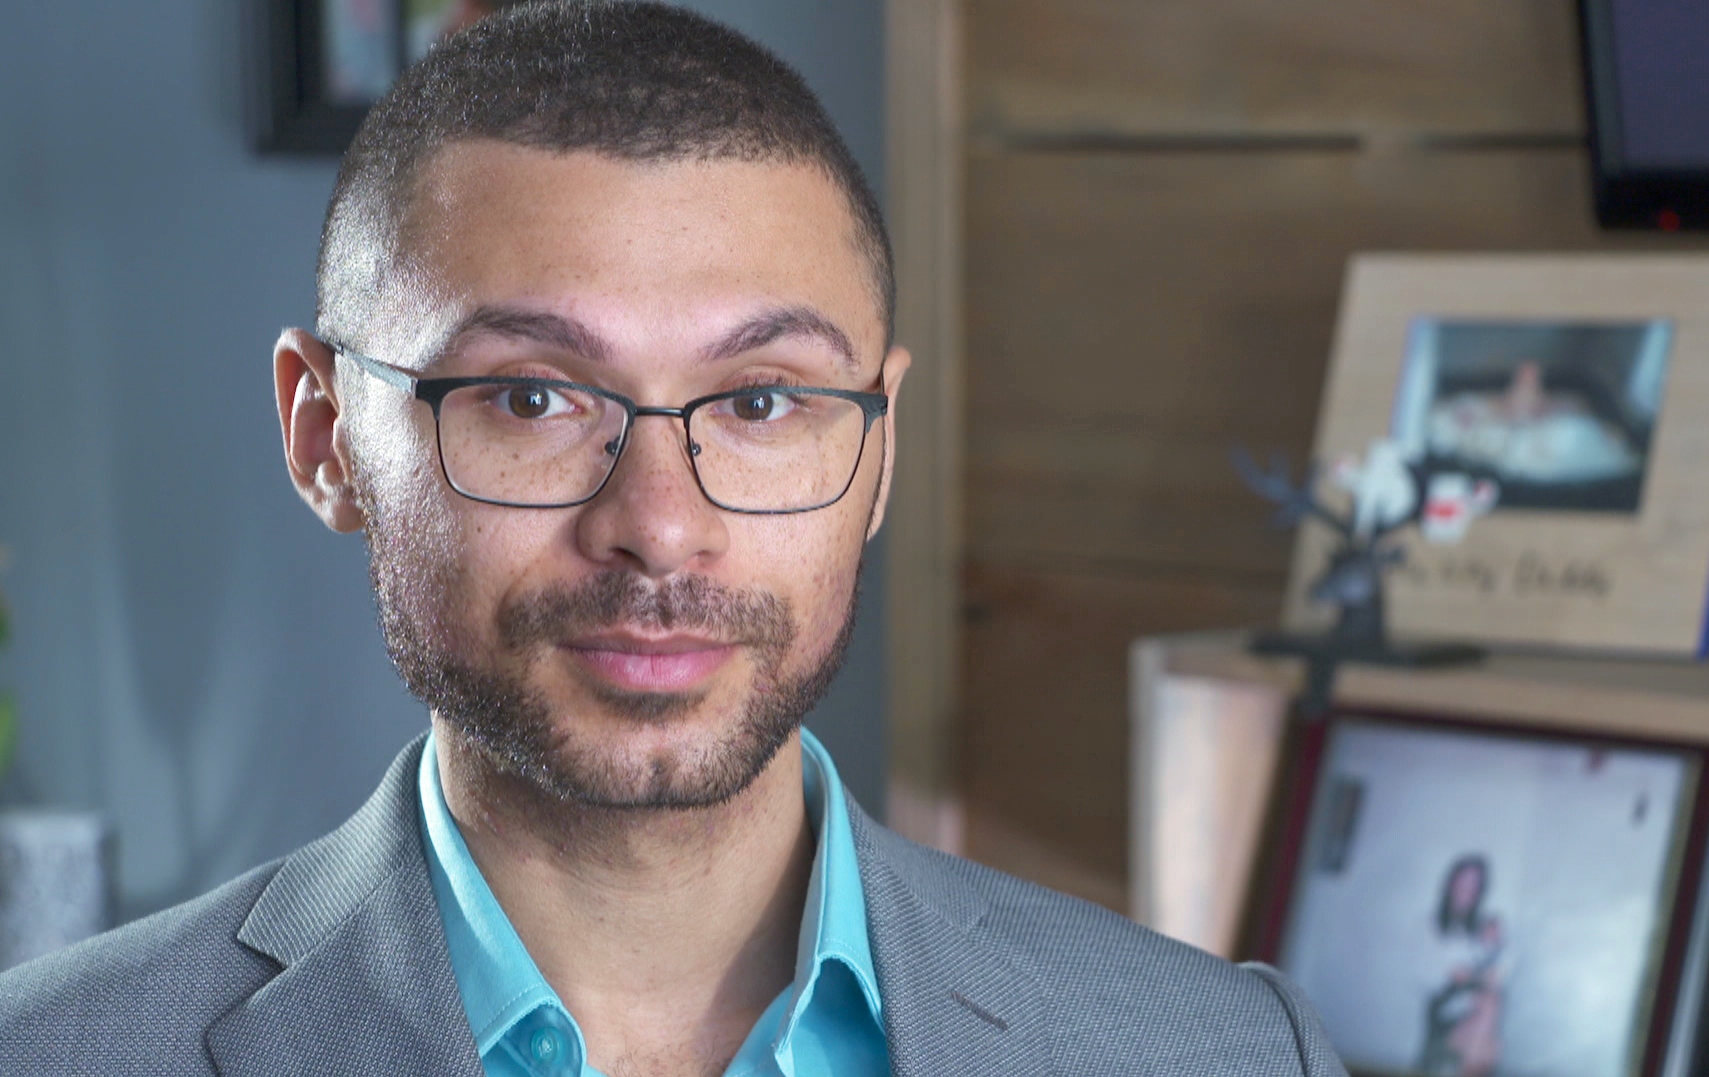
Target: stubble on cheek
(484, 685)
(414, 565)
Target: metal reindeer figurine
(1391, 490)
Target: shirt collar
(501, 985)
(499, 982)
(833, 923)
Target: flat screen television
(1647, 86)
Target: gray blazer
(332, 962)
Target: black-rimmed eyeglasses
(544, 443)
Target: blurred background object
(56, 881)
(1159, 203)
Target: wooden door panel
(1453, 67)
(1043, 736)
(1131, 318)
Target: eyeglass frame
(433, 391)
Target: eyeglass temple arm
(380, 370)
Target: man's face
(645, 648)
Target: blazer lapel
(366, 985)
(953, 1002)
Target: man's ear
(895, 366)
(317, 451)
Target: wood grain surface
(1246, 67)
(1160, 201)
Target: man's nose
(652, 517)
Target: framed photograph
(1579, 386)
(1468, 899)
(1560, 414)
(326, 61)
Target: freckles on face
(815, 570)
(652, 253)
(546, 630)
(657, 260)
(814, 559)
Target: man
(603, 373)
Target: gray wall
(195, 655)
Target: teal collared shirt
(828, 1021)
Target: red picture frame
(1385, 817)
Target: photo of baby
(1560, 414)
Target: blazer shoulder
(159, 981)
(1054, 932)
(1054, 927)
(1113, 984)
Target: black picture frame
(294, 115)
(1657, 1025)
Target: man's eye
(533, 402)
(761, 407)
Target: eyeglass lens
(764, 451)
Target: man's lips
(668, 663)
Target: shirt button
(546, 1045)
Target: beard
(513, 726)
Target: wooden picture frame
(1608, 548)
(1462, 896)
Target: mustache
(611, 600)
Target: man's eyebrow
(569, 335)
(771, 325)
(555, 330)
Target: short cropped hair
(638, 81)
